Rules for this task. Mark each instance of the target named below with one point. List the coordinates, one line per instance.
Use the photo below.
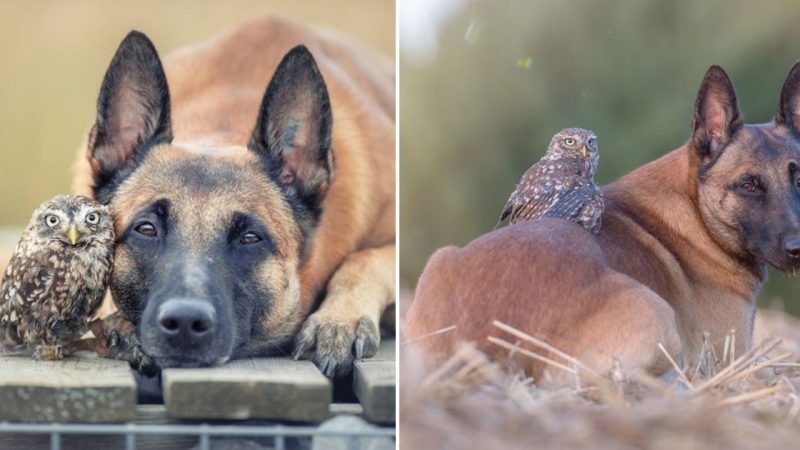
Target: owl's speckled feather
(58, 274)
(561, 184)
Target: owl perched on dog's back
(57, 276)
(561, 184)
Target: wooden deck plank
(374, 382)
(76, 389)
(259, 388)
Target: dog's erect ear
(789, 103)
(292, 134)
(716, 114)
(133, 114)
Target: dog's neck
(654, 232)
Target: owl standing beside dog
(57, 276)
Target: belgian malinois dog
(251, 214)
(683, 250)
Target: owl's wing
(531, 196)
(591, 214)
(532, 205)
(570, 205)
(507, 208)
(27, 280)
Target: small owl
(560, 184)
(57, 276)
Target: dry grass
(724, 401)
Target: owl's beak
(73, 235)
(584, 152)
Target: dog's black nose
(187, 321)
(792, 246)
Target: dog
(251, 179)
(684, 248)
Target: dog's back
(216, 86)
(510, 275)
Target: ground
(471, 402)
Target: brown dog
(683, 250)
(249, 212)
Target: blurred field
(508, 75)
(55, 54)
(471, 402)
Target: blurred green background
(505, 76)
(55, 54)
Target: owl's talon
(48, 352)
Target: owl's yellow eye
(569, 141)
(52, 220)
(92, 218)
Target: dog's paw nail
(330, 368)
(149, 368)
(368, 338)
(113, 338)
(299, 350)
(359, 347)
(326, 365)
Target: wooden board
(259, 388)
(374, 382)
(76, 389)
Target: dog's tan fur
(663, 269)
(216, 88)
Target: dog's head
(749, 175)
(211, 239)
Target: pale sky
(420, 22)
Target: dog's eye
(749, 186)
(250, 238)
(146, 229)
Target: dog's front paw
(126, 347)
(116, 339)
(336, 341)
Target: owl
(560, 184)
(57, 276)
